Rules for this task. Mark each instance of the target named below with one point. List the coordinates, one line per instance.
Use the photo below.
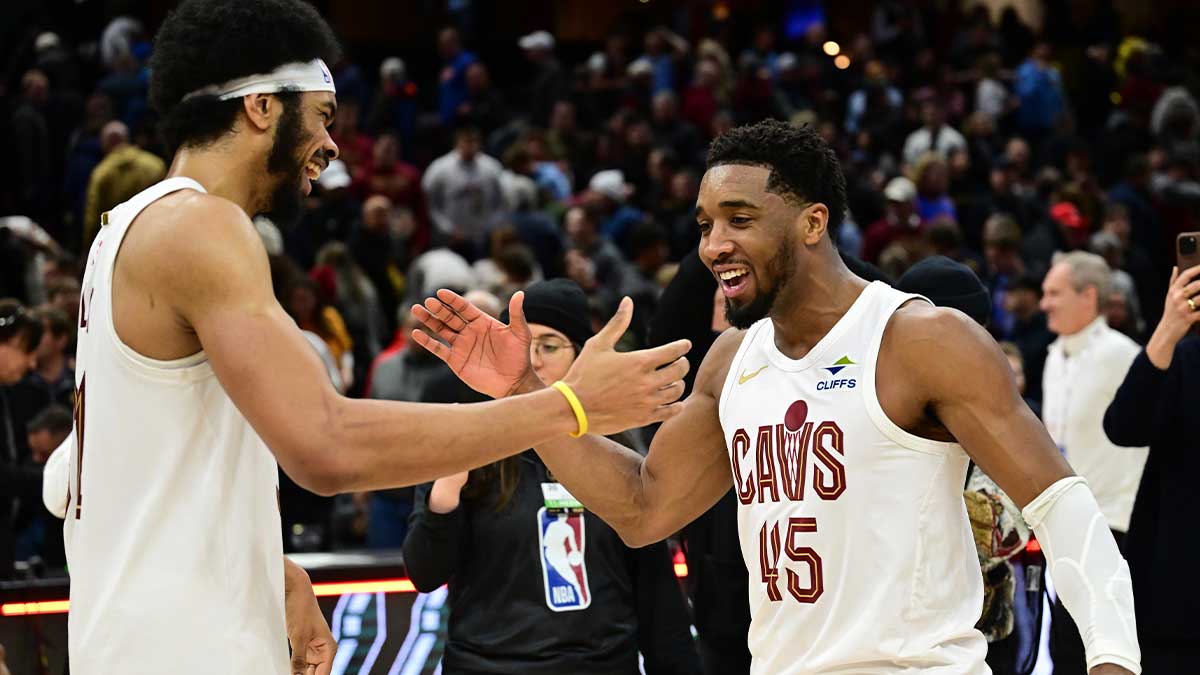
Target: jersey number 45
(806, 588)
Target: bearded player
(846, 413)
(193, 382)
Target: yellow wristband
(576, 407)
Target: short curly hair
(205, 42)
(803, 166)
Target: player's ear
(259, 109)
(813, 221)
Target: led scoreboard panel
(382, 625)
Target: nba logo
(564, 573)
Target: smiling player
(846, 413)
(192, 381)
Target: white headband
(298, 76)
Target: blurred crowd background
(487, 146)
(484, 147)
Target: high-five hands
(618, 390)
(492, 358)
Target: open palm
(491, 357)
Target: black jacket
(1159, 409)
(500, 615)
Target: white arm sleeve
(56, 477)
(1089, 573)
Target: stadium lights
(28, 608)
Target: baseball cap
(640, 66)
(393, 68)
(334, 176)
(46, 40)
(610, 183)
(1067, 214)
(900, 189)
(537, 40)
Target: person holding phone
(1157, 406)
(538, 585)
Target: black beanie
(949, 284)
(559, 304)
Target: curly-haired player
(192, 382)
(845, 412)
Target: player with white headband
(192, 382)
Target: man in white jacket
(1084, 368)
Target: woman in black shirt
(537, 584)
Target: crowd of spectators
(972, 137)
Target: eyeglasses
(550, 348)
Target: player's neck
(820, 294)
(223, 173)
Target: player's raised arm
(960, 372)
(219, 285)
(643, 499)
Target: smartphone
(1187, 250)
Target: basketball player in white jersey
(845, 412)
(193, 382)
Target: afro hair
(205, 42)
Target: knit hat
(559, 304)
(949, 284)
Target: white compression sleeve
(1088, 571)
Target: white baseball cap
(640, 66)
(900, 189)
(610, 183)
(46, 41)
(334, 176)
(393, 68)
(537, 40)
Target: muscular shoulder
(189, 221)
(194, 244)
(919, 321)
(197, 216)
(715, 367)
(940, 349)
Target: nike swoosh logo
(746, 377)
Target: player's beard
(781, 270)
(285, 164)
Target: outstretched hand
(618, 390)
(489, 356)
(623, 390)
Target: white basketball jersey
(853, 531)
(172, 528)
